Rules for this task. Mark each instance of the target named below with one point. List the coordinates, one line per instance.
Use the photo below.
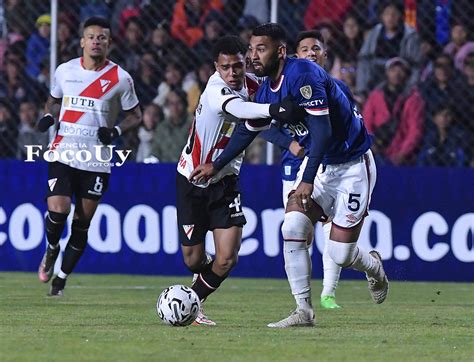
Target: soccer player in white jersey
(215, 204)
(85, 99)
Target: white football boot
(378, 287)
(299, 318)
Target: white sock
(348, 255)
(367, 263)
(298, 272)
(331, 271)
(62, 275)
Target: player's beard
(271, 68)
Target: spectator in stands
(173, 79)
(171, 134)
(394, 113)
(38, 45)
(443, 143)
(429, 50)
(390, 38)
(20, 19)
(188, 19)
(8, 130)
(292, 16)
(15, 85)
(152, 116)
(130, 47)
(27, 134)
(460, 44)
(68, 42)
(347, 44)
(245, 27)
(261, 10)
(465, 85)
(204, 72)
(91, 8)
(212, 31)
(162, 45)
(147, 78)
(440, 86)
(326, 11)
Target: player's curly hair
(274, 31)
(229, 45)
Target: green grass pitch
(113, 318)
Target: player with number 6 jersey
(86, 97)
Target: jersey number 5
(354, 203)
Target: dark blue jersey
(312, 88)
(290, 164)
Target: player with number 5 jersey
(86, 98)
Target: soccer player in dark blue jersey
(335, 180)
(293, 140)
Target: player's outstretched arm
(132, 120)
(51, 112)
(285, 111)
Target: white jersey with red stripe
(90, 99)
(213, 127)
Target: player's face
(265, 55)
(231, 68)
(95, 41)
(312, 49)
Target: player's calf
(54, 227)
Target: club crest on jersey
(104, 83)
(52, 183)
(306, 91)
(188, 230)
(226, 91)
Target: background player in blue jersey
(293, 140)
(335, 180)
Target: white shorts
(287, 188)
(344, 190)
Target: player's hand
(287, 111)
(303, 194)
(45, 122)
(202, 173)
(107, 135)
(296, 149)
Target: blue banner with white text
(421, 221)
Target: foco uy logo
(74, 153)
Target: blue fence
(421, 220)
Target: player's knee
(55, 221)
(57, 217)
(297, 227)
(343, 254)
(226, 264)
(193, 262)
(79, 230)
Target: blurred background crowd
(409, 63)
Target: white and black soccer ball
(178, 305)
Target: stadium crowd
(410, 65)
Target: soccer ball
(178, 305)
